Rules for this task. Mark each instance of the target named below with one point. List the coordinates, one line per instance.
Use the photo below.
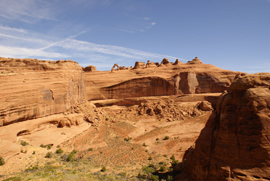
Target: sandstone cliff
(32, 88)
(235, 143)
(169, 79)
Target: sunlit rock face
(234, 145)
(32, 88)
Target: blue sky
(230, 34)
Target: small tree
(59, 151)
(24, 143)
(49, 155)
(71, 156)
(166, 138)
(103, 169)
(2, 161)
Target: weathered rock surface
(90, 68)
(234, 145)
(154, 80)
(32, 89)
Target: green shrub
(144, 144)
(90, 149)
(162, 168)
(157, 139)
(170, 178)
(24, 143)
(148, 169)
(71, 156)
(107, 119)
(43, 146)
(172, 158)
(49, 155)
(154, 178)
(166, 138)
(174, 163)
(49, 147)
(2, 161)
(127, 139)
(103, 169)
(150, 158)
(59, 151)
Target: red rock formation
(182, 78)
(165, 61)
(147, 86)
(31, 89)
(90, 68)
(235, 143)
(139, 65)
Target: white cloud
(153, 23)
(147, 18)
(20, 43)
(18, 52)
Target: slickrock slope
(31, 88)
(235, 143)
(165, 79)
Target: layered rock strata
(32, 89)
(235, 143)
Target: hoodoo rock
(90, 68)
(165, 61)
(139, 65)
(234, 145)
(196, 60)
(32, 89)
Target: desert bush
(162, 168)
(174, 163)
(49, 155)
(24, 143)
(90, 149)
(172, 158)
(170, 178)
(71, 156)
(59, 151)
(127, 139)
(49, 147)
(144, 144)
(148, 169)
(150, 158)
(166, 138)
(103, 169)
(43, 146)
(2, 161)
(154, 178)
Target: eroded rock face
(234, 145)
(32, 89)
(139, 65)
(148, 86)
(90, 68)
(182, 79)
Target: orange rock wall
(30, 88)
(234, 145)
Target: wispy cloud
(6, 51)
(25, 44)
(147, 18)
(153, 23)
